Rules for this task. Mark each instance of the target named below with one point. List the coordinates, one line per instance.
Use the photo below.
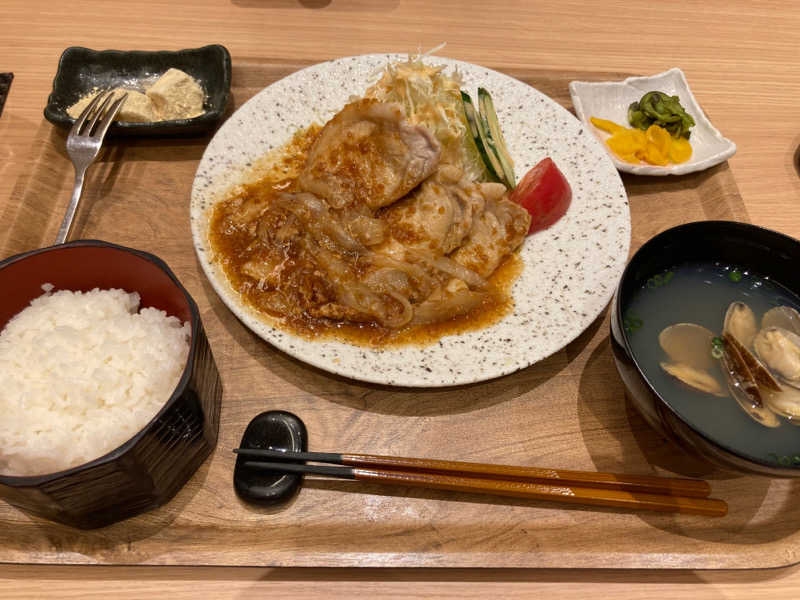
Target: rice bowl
(83, 372)
(153, 464)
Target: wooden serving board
(567, 411)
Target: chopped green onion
(717, 345)
(659, 280)
(631, 323)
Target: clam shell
(741, 382)
(740, 322)
(695, 378)
(749, 382)
(760, 373)
(786, 402)
(760, 414)
(688, 344)
(779, 349)
(785, 317)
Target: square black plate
(80, 70)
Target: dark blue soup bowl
(763, 251)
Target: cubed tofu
(138, 108)
(176, 95)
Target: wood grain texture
(568, 410)
(741, 61)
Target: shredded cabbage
(432, 99)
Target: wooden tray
(566, 411)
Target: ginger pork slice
(368, 156)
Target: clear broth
(701, 293)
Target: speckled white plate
(610, 100)
(570, 270)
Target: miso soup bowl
(147, 470)
(763, 251)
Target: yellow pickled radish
(655, 146)
(680, 150)
(639, 136)
(623, 143)
(660, 138)
(654, 156)
(606, 125)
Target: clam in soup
(721, 345)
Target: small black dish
(767, 252)
(81, 70)
(276, 430)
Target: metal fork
(83, 145)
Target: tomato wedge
(545, 193)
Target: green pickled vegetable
(656, 108)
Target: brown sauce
(232, 248)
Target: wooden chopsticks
(639, 492)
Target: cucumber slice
(496, 140)
(480, 135)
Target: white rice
(82, 373)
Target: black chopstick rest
(275, 429)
